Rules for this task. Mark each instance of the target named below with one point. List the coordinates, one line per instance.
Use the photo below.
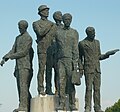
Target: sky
(103, 15)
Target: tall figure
(44, 31)
(67, 45)
(52, 58)
(90, 56)
(22, 52)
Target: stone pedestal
(48, 103)
(66, 111)
(21, 111)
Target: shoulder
(17, 36)
(36, 21)
(27, 36)
(54, 26)
(97, 41)
(74, 33)
(82, 42)
(74, 30)
(50, 22)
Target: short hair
(57, 14)
(23, 22)
(68, 15)
(89, 29)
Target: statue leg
(56, 78)
(96, 94)
(62, 75)
(49, 65)
(88, 93)
(40, 76)
(23, 89)
(70, 88)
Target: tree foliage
(114, 108)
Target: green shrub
(114, 108)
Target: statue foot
(56, 93)
(87, 109)
(99, 110)
(42, 93)
(18, 109)
(72, 108)
(60, 107)
(49, 92)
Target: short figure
(44, 31)
(67, 55)
(90, 56)
(52, 58)
(22, 52)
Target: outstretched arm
(6, 57)
(107, 54)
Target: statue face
(91, 34)
(90, 31)
(45, 12)
(22, 28)
(67, 21)
(58, 17)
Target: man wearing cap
(44, 31)
(90, 54)
(67, 55)
(52, 57)
(22, 52)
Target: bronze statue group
(58, 47)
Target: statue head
(43, 10)
(22, 25)
(57, 15)
(90, 31)
(67, 19)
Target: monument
(58, 48)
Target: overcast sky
(104, 15)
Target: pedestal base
(48, 103)
(54, 111)
(21, 111)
